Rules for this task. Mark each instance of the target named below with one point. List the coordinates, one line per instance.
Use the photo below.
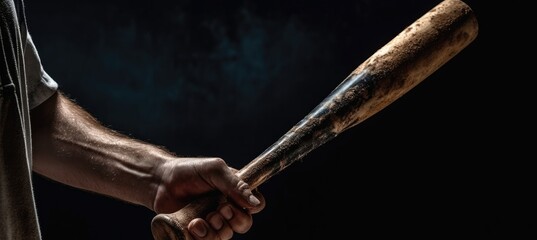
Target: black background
(452, 158)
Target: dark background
(452, 158)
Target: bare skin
(71, 147)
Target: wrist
(158, 189)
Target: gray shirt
(24, 85)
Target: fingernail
(253, 200)
(226, 212)
(199, 229)
(216, 222)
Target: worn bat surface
(401, 64)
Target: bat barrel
(397, 67)
(393, 70)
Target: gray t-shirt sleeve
(40, 85)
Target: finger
(200, 230)
(242, 191)
(220, 225)
(262, 203)
(223, 178)
(238, 219)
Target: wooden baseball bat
(413, 55)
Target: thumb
(233, 187)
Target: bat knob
(174, 226)
(163, 227)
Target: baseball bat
(401, 64)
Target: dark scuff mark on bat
(332, 116)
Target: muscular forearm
(71, 147)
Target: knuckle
(216, 165)
(218, 162)
(242, 186)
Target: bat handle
(173, 226)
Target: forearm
(71, 147)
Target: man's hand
(184, 179)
